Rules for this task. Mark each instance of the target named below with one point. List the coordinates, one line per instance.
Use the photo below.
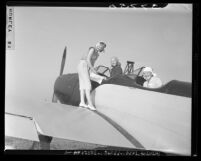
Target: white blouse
(154, 82)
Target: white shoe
(91, 108)
(83, 105)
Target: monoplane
(128, 115)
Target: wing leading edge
(62, 121)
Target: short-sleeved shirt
(93, 57)
(154, 82)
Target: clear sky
(160, 38)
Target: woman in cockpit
(152, 81)
(115, 67)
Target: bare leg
(88, 95)
(82, 96)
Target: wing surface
(159, 121)
(62, 121)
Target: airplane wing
(25, 118)
(159, 121)
(126, 117)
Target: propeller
(63, 62)
(54, 98)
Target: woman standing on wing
(87, 63)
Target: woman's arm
(91, 51)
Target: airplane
(127, 114)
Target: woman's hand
(104, 78)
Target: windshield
(106, 71)
(103, 70)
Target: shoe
(91, 108)
(83, 105)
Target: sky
(160, 38)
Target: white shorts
(83, 75)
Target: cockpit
(134, 78)
(135, 75)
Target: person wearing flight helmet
(152, 81)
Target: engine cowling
(66, 89)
